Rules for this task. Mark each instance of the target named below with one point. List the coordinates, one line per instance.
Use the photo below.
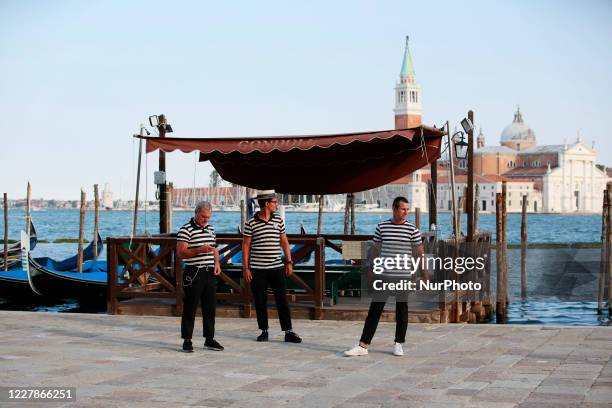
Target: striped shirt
(265, 241)
(196, 235)
(397, 239)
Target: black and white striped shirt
(265, 241)
(196, 235)
(397, 239)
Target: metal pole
(452, 178)
(163, 199)
(433, 194)
(470, 181)
(138, 181)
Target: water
(543, 228)
(569, 305)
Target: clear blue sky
(78, 77)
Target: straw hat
(265, 194)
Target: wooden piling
(505, 238)
(603, 257)
(81, 232)
(5, 232)
(242, 214)
(609, 248)
(417, 218)
(476, 209)
(353, 221)
(96, 220)
(347, 211)
(500, 303)
(320, 219)
(524, 249)
(28, 209)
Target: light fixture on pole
(461, 146)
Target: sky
(78, 77)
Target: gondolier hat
(265, 194)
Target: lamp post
(463, 150)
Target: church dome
(518, 131)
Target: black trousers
(200, 286)
(376, 308)
(275, 278)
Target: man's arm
(287, 251)
(373, 253)
(185, 252)
(246, 248)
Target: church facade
(554, 178)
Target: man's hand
(217, 270)
(248, 276)
(205, 249)
(288, 269)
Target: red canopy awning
(315, 164)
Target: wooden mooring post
(242, 214)
(417, 218)
(609, 247)
(81, 232)
(476, 208)
(5, 232)
(353, 220)
(320, 218)
(500, 303)
(28, 209)
(96, 220)
(524, 249)
(603, 264)
(505, 240)
(347, 212)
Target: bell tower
(407, 95)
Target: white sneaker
(398, 350)
(356, 351)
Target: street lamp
(461, 146)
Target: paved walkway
(134, 361)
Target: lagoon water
(543, 228)
(549, 302)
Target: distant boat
(60, 279)
(14, 282)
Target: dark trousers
(376, 308)
(200, 286)
(275, 278)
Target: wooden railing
(146, 267)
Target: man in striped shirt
(393, 238)
(264, 236)
(196, 248)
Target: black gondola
(14, 281)
(60, 279)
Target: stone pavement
(135, 361)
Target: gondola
(60, 279)
(14, 281)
